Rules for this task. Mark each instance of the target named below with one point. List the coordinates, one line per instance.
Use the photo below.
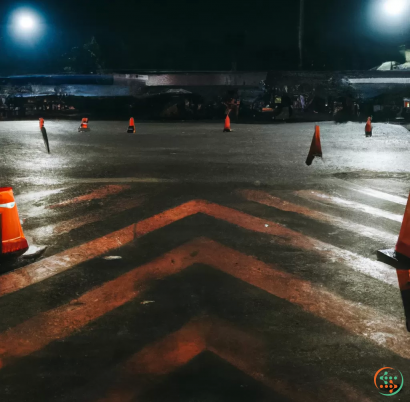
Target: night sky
(204, 35)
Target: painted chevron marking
(116, 207)
(264, 198)
(67, 259)
(40, 330)
(160, 358)
(241, 349)
(341, 202)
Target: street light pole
(301, 29)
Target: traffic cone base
(12, 240)
(315, 147)
(393, 258)
(402, 265)
(400, 256)
(13, 248)
(131, 127)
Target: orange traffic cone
(83, 125)
(41, 122)
(368, 129)
(315, 148)
(12, 240)
(131, 127)
(227, 128)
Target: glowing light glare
(26, 22)
(395, 7)
(25, 26)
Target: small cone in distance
(368, 128)
(41, 122)
(131, 127)
(227, 128)
(315, 148)
(83, 125)
(13, 243)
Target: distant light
(26, 22)
(26, 26)
(395, 7)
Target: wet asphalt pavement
(187, 264)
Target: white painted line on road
(382, 196)
(37, 195)
(275, 202)
(384, 80)
(91, 180)
(126, 180)
(182, 180)
(328, 199)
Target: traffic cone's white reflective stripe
(8, 205)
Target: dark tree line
(85, 59)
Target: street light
(26, 22)
(25, 25)
(395, 7)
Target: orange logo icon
(389, 381)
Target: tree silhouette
(86, 59)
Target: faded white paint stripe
(73, 181)
(383, 196)
(384, 80)
(366, 266)
(271, 201)
(329, 199)
(37, 195)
